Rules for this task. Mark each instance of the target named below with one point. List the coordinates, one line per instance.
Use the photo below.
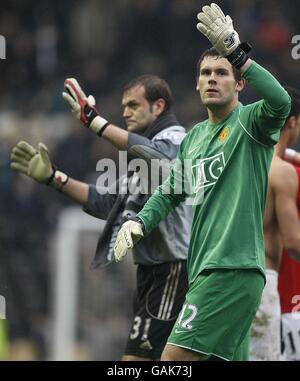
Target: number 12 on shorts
(189, 312)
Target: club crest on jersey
(224, 134)
(207, 171)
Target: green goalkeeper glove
(83, 107)
(129, 234)
(218, 28)
(37, 165)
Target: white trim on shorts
(169, 294)
(195, 350)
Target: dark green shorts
(217, 313)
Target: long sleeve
(269, 114)
(166, 197)
(99, 205)
(166, 147)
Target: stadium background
(104, 44)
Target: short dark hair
(212, 52)
(155, 88)
(295, 98)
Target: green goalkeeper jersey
(223, 169)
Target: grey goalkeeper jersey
(169, 241)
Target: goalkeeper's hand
(218, 28)
(36, 164)
(83, 107)
(129, 234)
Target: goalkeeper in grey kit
(153, 132)
(231, 153)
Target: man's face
(216, 82)
(138, 112)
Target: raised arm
(219, 29)
(268, 115)
(84, 109)
(276, 101)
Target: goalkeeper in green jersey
(222, 165)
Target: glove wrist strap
(137, 219)
(98, 125)
(58, 180)
(239, 56)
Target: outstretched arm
(37, 165)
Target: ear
(159, 106)
(240, 85)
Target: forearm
(97, 203)
(246, 65)
(291, 243)
(267, 87)
(76, 191)
(157, 208)
(116, 136)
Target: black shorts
(159, 297)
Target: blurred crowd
(104, 44)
